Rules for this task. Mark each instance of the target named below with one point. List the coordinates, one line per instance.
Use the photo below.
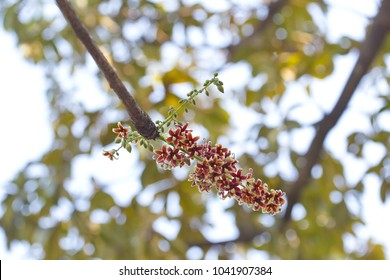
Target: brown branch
(138, 117)
(368, 51)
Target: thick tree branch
(368, 50)
(138, 117)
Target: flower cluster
(217, 167)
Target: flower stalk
(216, 166)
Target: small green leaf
(128, 147)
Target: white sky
(23, 82)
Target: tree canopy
(160, 50)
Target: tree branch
(138, 117)
(368, 50)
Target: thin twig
(138, 117)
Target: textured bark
(138, 117)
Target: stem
(186, 101)
(138, 117)
(171, 116)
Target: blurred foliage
(159, 48)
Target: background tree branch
(367, 53)
(138, 117)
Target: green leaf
(128, 147)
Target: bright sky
(24, 115)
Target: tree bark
(138, 117)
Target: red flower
(175, 137)
(109, 154)
(168, 157)
(121, 130)
(182, 138)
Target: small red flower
(181, 137)
(169, 158)
(120, 130)
(176, 136)
(109, 154)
